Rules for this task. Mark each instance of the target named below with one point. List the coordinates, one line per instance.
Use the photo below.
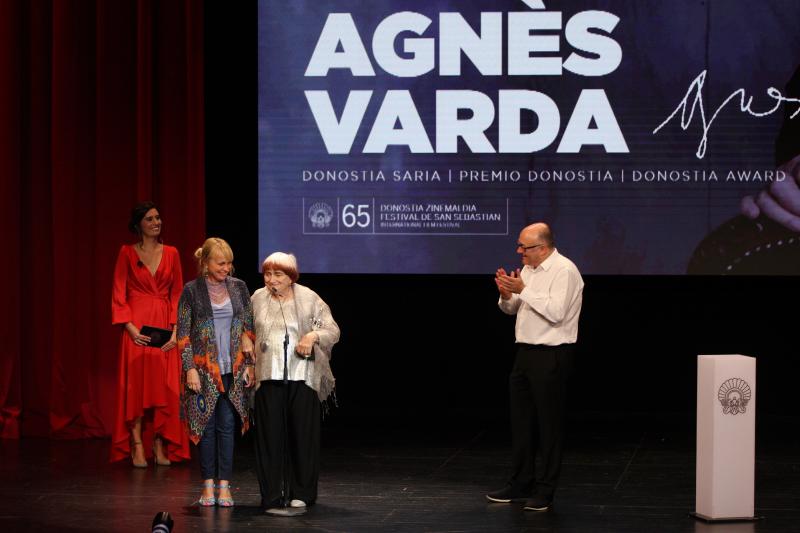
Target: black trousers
(303, 429)
(537, 389)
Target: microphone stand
(285, 509)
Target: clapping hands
(508, 284)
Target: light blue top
(223, 315)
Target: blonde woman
(215, 334)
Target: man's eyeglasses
(531, 247)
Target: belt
(543, 347)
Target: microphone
(285, 338)
(284, 508)
(139, 263)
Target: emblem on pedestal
(734, 395)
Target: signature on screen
(693, 101)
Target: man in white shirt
(546, 296)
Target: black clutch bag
(158, 337)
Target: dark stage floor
(622, 473)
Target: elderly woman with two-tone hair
(295, 333)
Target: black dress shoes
(538, 503)
(508, 494)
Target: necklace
(271, 315)
(217, 291)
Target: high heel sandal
(143, 464)
(211, 500)
(160, 462)
(224, 502)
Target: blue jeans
(216, 444)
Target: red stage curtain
(101, 106)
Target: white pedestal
(726, 437)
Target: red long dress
(149, 379)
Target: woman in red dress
(147, 285)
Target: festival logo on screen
(320, 214)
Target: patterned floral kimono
(198, 349)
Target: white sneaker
(297, 503)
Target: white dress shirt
(548, 307)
